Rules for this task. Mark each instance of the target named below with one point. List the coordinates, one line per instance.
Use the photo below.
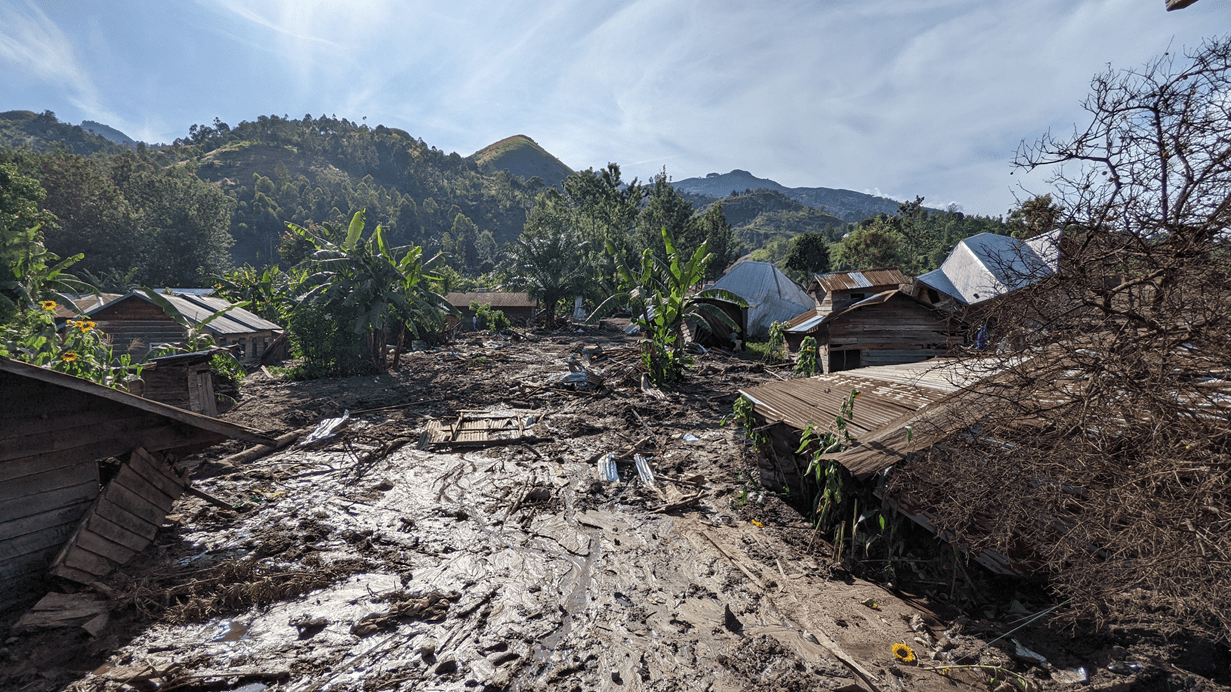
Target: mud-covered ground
(371, 564)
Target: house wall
(134, 324)
(519, 316)
(891, 333)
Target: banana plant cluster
(666, 289)
(386, 290)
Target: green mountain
(42, 131)
(314, 170)
(759, 216)
(848, 205)
(108, 133)
(522, 157)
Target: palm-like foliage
(665, 287)
(381, 290)
(270, 292)
(546, 259)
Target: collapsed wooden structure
(518, 307)
(57, 432)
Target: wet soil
(365, 565)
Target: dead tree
(1101, 449)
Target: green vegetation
(524, 158)
(366, 289)
(916, 240)
(807, 365)
(489, 318)
(665, 289)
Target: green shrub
(326, 343)
(490, 318)
(806, 366)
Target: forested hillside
(252, 179)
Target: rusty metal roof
(818, 400)
(872, 278)
(496, 299)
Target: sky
(893, 97)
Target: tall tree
(547, 258)
(712, 228)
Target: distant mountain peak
(848, 205)
(108, 133)
(522, 156)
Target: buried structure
(55, 511)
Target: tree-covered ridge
(761, 216)
(43, 132)
(524, 158)
(319, 170)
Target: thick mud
(368, 565)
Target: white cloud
(35, 48)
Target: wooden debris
(57, 610)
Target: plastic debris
(1024, 654)
(643, 470)
(607, 468)
(1071, 676)
(326, 429)
(689, 437)
(1123, 668)
(870, 603)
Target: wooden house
(518, 307)
(886, 329)
(55, 430)
(136, 325)
(182, 380)
(839, 290)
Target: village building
(836, 291)
(985, 266)
(770, 294)
(519, 307)
(137, 326)
(888, 328)
(55, 511)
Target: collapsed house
(888, 328)
(771, 296)
(519, 307)
(137, 326)
(901, 410)
(87, 474)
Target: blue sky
(900, 97)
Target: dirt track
(505, 568)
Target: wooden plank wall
(42, 499)
(123, 520)
(897, 324)
(188, 387)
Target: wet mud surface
(361, 565)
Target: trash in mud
(325, 430)
(643, 470)
(1071, 676)
(607, 468)
(1023, 654)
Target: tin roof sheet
(496, 299)
(771, 296)
(197, 309)
(986, 265)
(872, 278)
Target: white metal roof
(986, 265)
(771, 296)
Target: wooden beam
(23, 370)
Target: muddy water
(542, 594)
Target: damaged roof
(987, 265)
(844, 281)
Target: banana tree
(382, 291)
(666, 289)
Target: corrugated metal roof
(986, 265)
(496, 299)
(771, 296)
(818, 400)
(843, 281)
(196, 309)
(86, 303)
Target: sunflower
(68, 357)
(85, 326)
(49, 305)
(904, 653)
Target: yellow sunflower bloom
(49, 305)
(904, 653)
(85, 326)
(68, 357)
